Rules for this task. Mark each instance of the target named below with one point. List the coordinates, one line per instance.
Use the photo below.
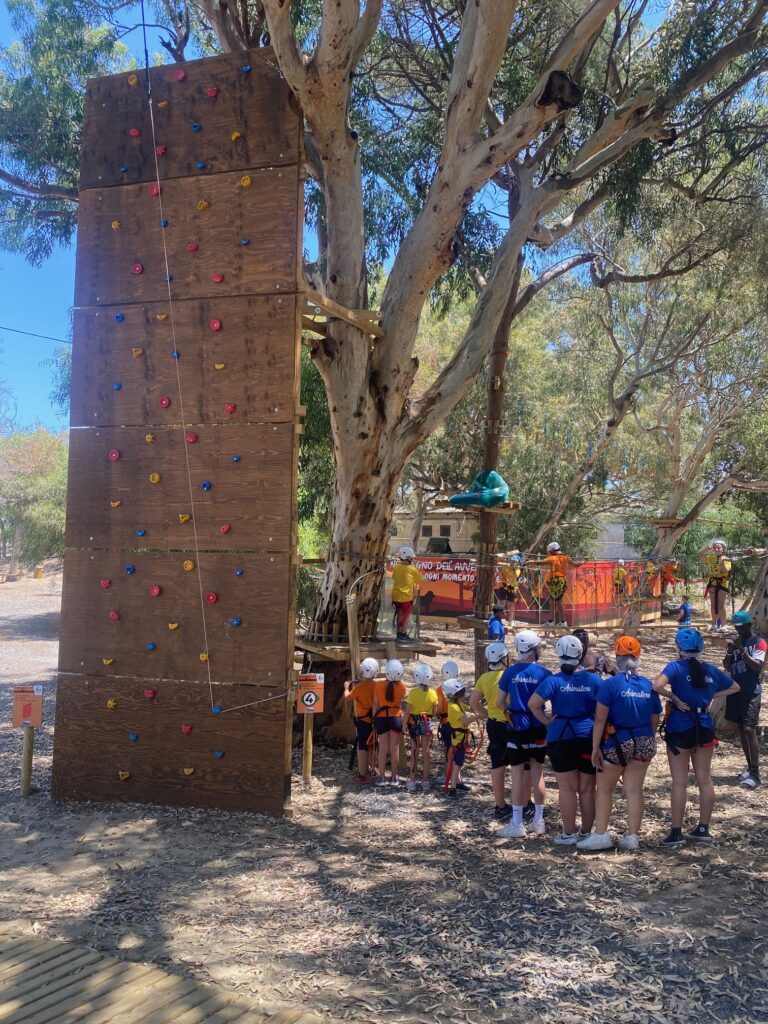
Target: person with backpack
(623, 745)
(459, 719)
(745, 660)
(420, 705)
(388, 695)
(361, 692)
(690, 685)
(484, 703)
(572, 695)
(526, 738)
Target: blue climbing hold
(133, 736)
(119, 317)
(218, 754)
(123, 170)
(196, 126)
(163, 223)
(130, 569)
(117, 386)
(200, 165)
(206, 485)
(246, 69)
(239, 572)
(245, 241)
(487, 490)
(140, 533)
(151, 646)
(235, 458)
(167, 278)
(235, 622)
(175, 354)
(217, 709)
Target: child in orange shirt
(362, 694)
(388, 695)
(556, 580)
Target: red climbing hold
(105, 584)
(114, 455)
(217, 278)
(137, 268)
(115, 616)
(161, 150)
(134, 133)
(215, 325)
(181, 76)
(154, 189)
(150, 694)
(213, 92)
(165, 402)
(155, 590)
(225, 528)
(211, 598)
(190, 438)
(186, 729)
(192, 246)
(230, 407)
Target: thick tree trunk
(759, 605)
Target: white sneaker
(751, 782)
(630, 841)
(425, 787)
(595, 841)
(538, 828)
(744, 775)
(381, 781)
(563, 623)
(394, 781)
(511, 831)
(410, 786)
(549, 622)
(566, 839)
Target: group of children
(596, 721)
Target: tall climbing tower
(178, 603)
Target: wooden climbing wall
(178, 604)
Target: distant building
(610, 543)
(443, 531)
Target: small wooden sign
(27, 706)
(311, 693)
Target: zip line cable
(31, 334)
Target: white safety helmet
(450, 670)
(494, 653)
(369, 668)
(569, 650)
(526, 641)
(553, 547)
(393, 670)
(718, 541)
(452, 686)
(405, 553)
(422, 674)
(620, 561)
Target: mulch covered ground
(383, 906)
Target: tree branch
(42, 190)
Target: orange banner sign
(311, 693)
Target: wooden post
(27, 751)
(306, 754)
(353, 630)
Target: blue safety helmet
(689, 640)
(742, 618)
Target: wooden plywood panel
(122, 368)
(252, 495)
(256, 103)
(144, 738)
(264, 215)
(257, 650)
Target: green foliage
(33, 485)
(61, 377)
(316, 466)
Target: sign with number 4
(309, 698)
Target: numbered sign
(309, 698)
(27, 706)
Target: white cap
(393, 670)
(526, 641)
(450, 670)
(422, 674)
(553, 546)
(369, 668)
(620, 561)
(452, 686)
(569, 650)
(494, 653)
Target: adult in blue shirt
(526, 738)
(572, 694)
(691, 685)
(496, 631)
(623, 745)
(745, 660)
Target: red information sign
(27, 706)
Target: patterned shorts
(557, 586)
(641, 748)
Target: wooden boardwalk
(48, 982)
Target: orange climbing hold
(184, 517)
(137, 352)
(154, 478)
(111, 703)
(203, 656)
(188, 566)
(133, 80)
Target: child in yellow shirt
(406, 580)
(420, 705)
(459, 719)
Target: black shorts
(384, 725)
(497, 742)
(446, 735)
(527, 745)
(459, 754)
(743, 709)
(505, 594)
(364, 730)
(571, 755)
(688, 740)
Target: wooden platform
(48, 982)
(389, 648)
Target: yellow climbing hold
(115, 504)
(189, 565)
(116, 225)
(108, 661)
(184, 517)
(137, 352)
(149, 438)
(133, 80)
(123, 776)
(111, 703)
(173, 625)
(203, 656)
(154, 478)
(203, 204)
(188, 771)
(218, 366)
(236, 135)
(246, 181)
(161, 316)
(163, 104)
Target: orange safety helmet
(628, 645)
